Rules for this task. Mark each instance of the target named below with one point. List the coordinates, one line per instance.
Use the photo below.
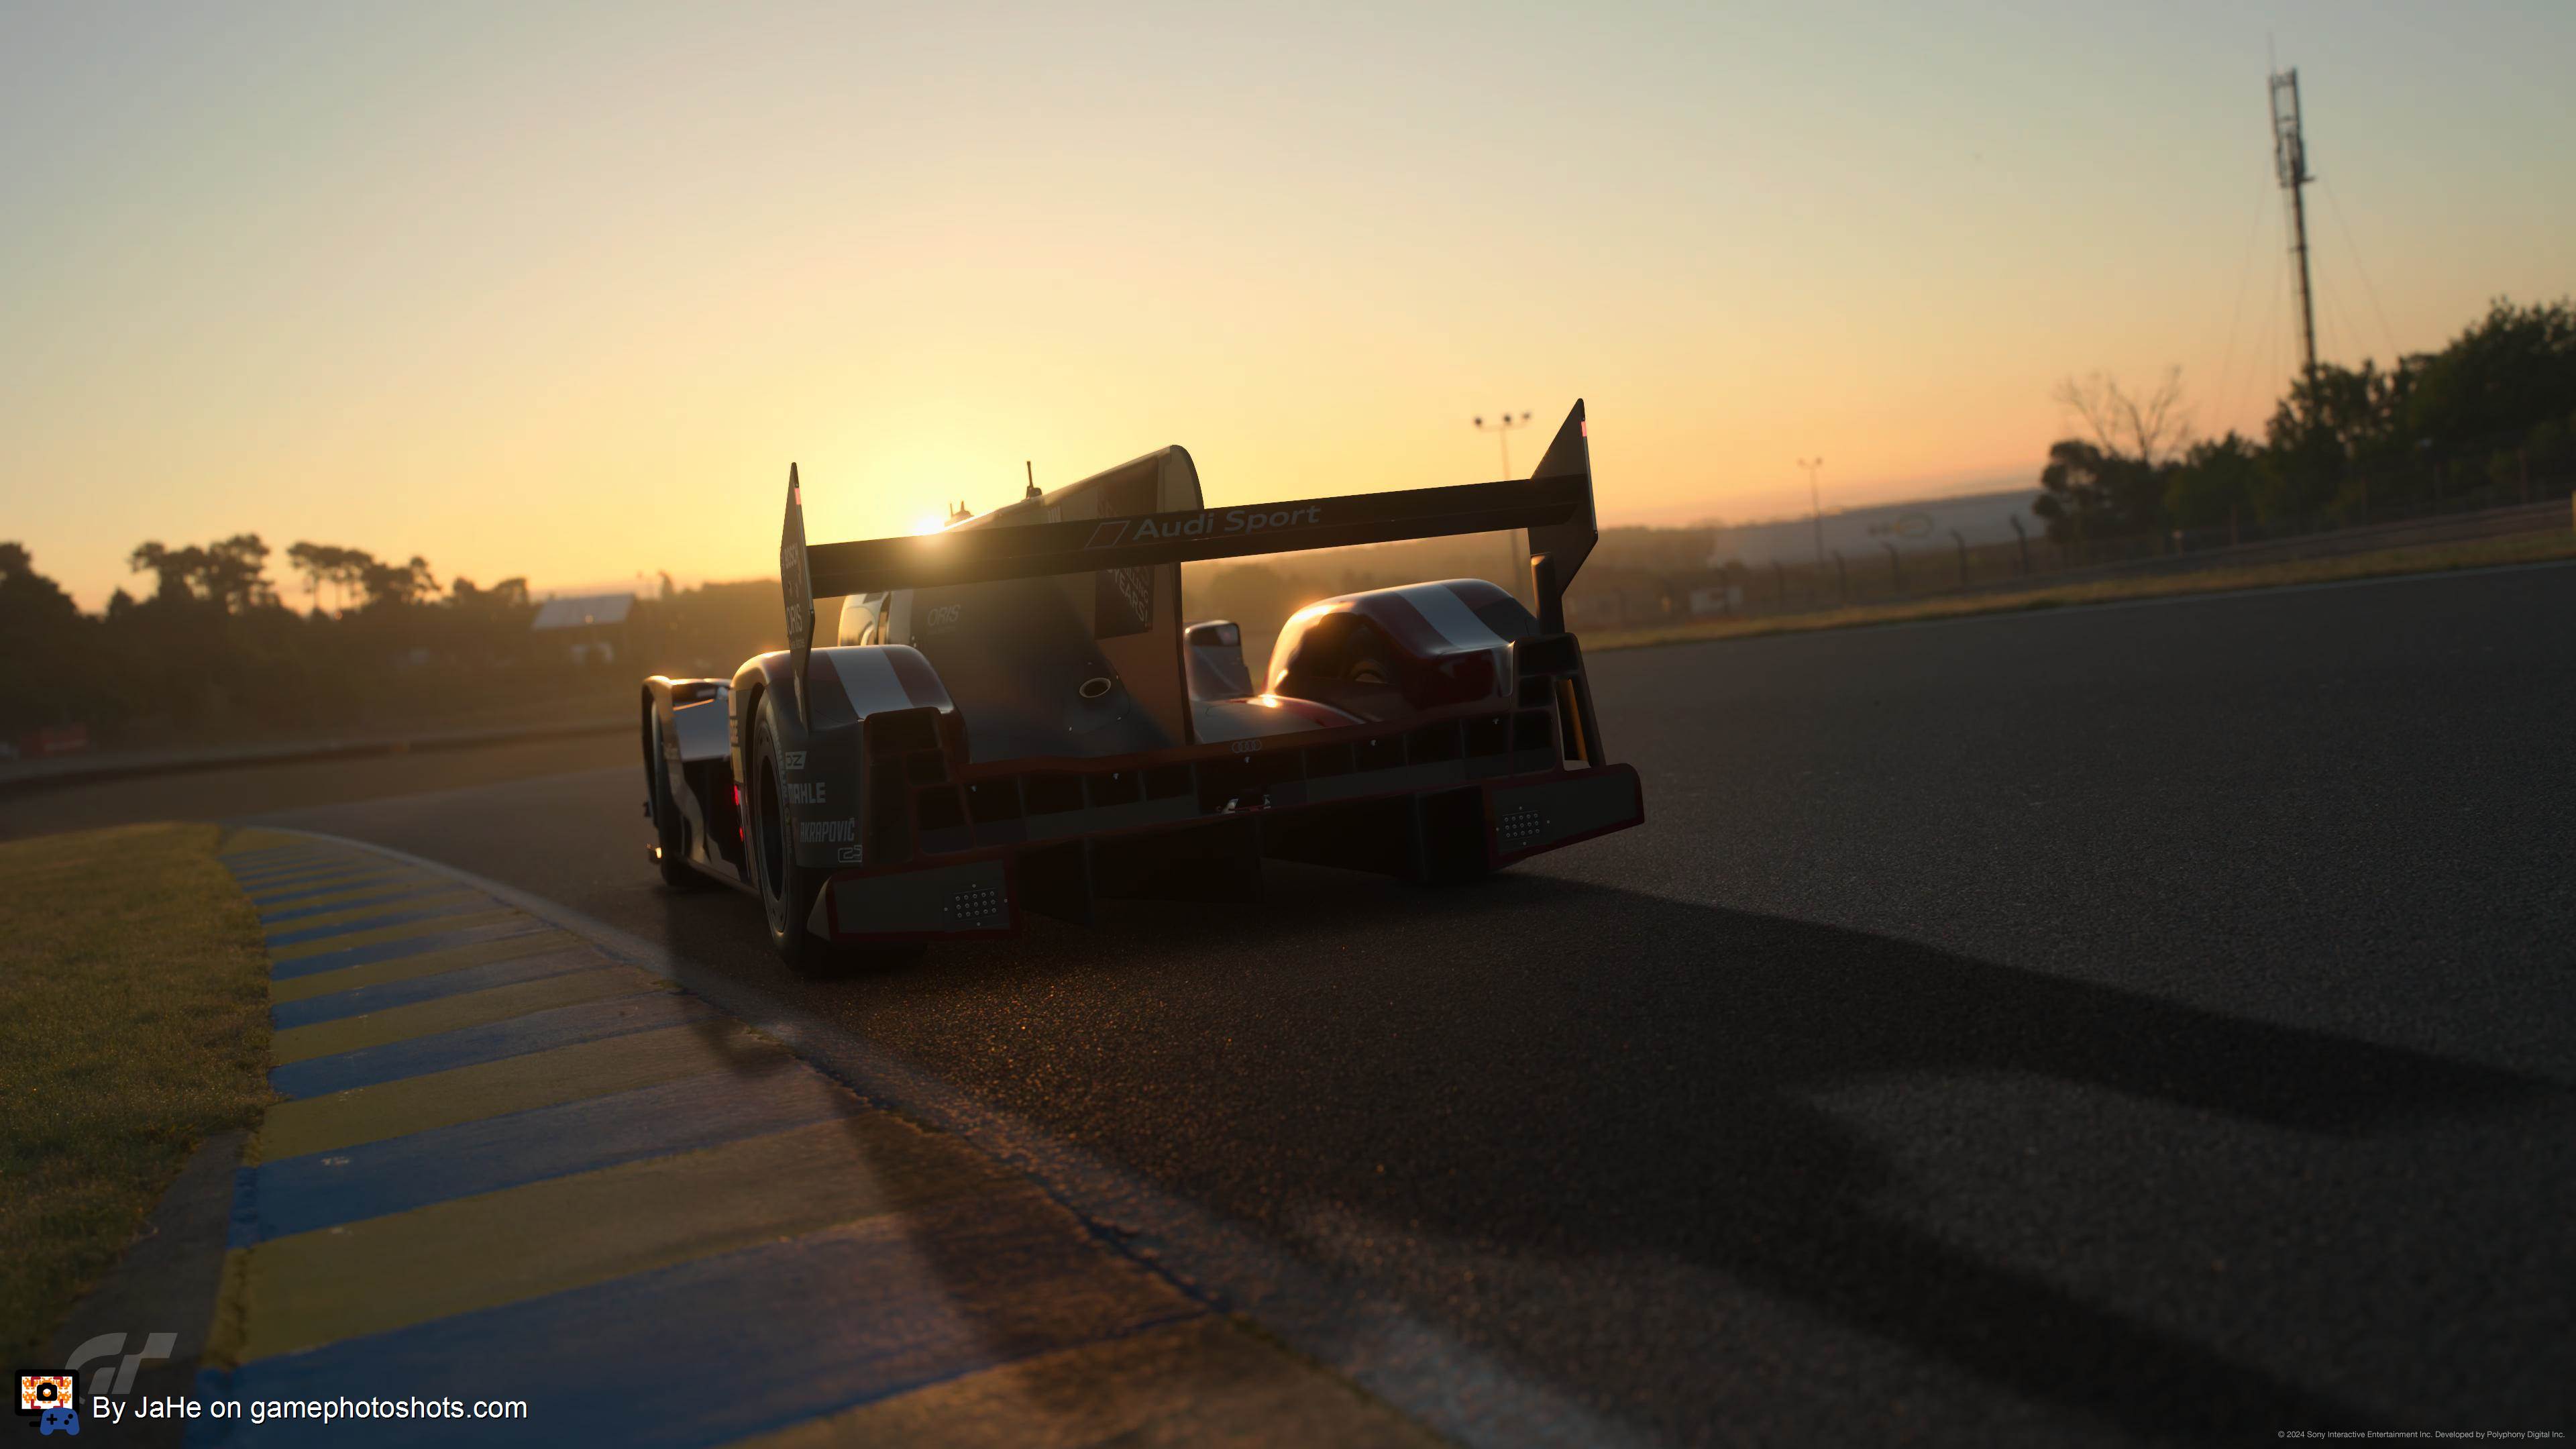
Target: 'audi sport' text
(1214, 523)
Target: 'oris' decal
(1245, 747)
(826, 832)
(943, 616)
(807, 794)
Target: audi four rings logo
(1215, 523)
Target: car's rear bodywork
(1018, 717)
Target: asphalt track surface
(237, 793)
(2127, 1024)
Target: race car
(1018, 718)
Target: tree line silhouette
(210, 652)
(2489, 419)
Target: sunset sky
(558, 291)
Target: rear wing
(1554, 503)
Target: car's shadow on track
(1553, 1070)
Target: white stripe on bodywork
(868, 678)
(1459, 627)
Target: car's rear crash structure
(1018, 718)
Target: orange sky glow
(559, 291)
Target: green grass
(133, 1022)
(2431, 558)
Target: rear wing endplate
(796, 582)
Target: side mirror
(1212, 653)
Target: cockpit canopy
(1391, 652)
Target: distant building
(1978, 518)
(1717, 599)
(591, 627)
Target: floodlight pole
(1501, 425)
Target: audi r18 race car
(1017, 716)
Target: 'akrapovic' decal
(826, 832)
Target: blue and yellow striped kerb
(505, 1166)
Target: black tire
(670, 831)
(787, 890)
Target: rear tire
(670, 831)
(787, 890)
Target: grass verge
(135, 985)
(2430, 558)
